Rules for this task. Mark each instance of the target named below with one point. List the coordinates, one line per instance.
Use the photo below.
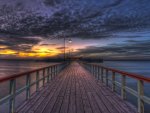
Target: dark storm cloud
(48, 44)
(74, 18)
(18, 43)
(61, 48)
(132, 48)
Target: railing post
(37, 80)
(140, 94)
(48, 74)
(28, 86)
(98, 72)
(52, 72)
(102, 72)
(12, 93)
(55, 71)
(106, 78)
(123, 84)
(43, 76)
(92, 70)
(113, 81)
(95, 71)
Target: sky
(109, 29)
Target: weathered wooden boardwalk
(75, 90)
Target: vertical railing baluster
(98, 72)
(113, 81)
(90, 67)
(43, 79)
(123, 89)
(12, 93)
(140, 94)
(37, 80)
(54, 72)
(48, 74)
(102, 74)
(106, 78)
(94, 71)
(28, 80)
(51, 72)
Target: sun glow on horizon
(36, 51)
(7, 52)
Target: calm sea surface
(138, 67)
(12, 67)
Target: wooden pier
(75, 90)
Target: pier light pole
(70, 41)
(64, 48)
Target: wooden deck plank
(103, 103)
(75, 90)
(85, 100)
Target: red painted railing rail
(131, 75)
(9, 77)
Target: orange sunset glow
(36, 51)
(41, 50)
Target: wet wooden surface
(75, 90)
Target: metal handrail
(98, 71)
(48, 72)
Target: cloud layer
(22, 22)
(129, 50)
(80, 18)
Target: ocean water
(13, 67)
(138, 67)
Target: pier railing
(41, 77)
(103, 73)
